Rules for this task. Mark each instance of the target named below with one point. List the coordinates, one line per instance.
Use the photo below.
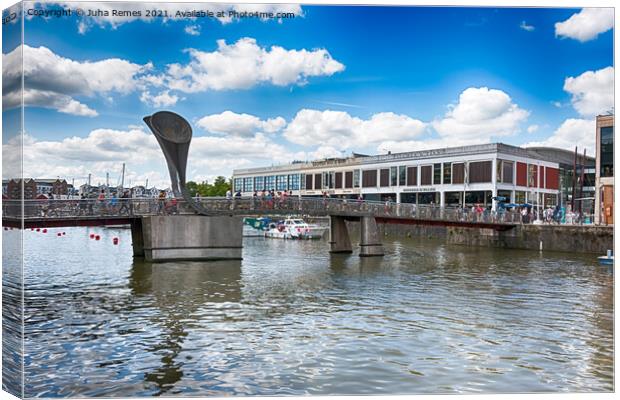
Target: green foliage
(206, 189)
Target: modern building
(447, 177)
(576, 189)
(604, 199)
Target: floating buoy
(6, 229)
(115, 240)
(97, 237)
(64, 233)
(32, 229)
(92, 235)
(44, 230)
(38, 229)
(59, 234)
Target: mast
(572, 202)
(123, 178)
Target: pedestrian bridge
(169, 229)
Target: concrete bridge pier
(188, 237)
(370, 244)
(339, 241)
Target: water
(291, 320)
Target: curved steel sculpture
(174, 135)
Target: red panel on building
(552, 178)
(521, 174)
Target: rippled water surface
(291, 319)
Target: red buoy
(92, 235)
(59, 234)
(38, 229)
(32, 229)
(6, 229)
(115, 240)
(64, 233)
(44, 230)
(97, 237)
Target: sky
(331, 81)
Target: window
(369, 178)
(480, 171)
(238, 184)
(309, 182)
(270, 182)
(293, 182)
(281, 182)
(338, 180)
(519, 197)
(507, 171)
(402, 175)
(532, 175)
(447, 173)
(412, 176)
(248, 184)
(436, 174)
(356, 178)
(302, 181)
(259, 183)
(348, 179)
(458, 173)
(426, 175)
(384, 177)
(607, 151)
(393, 176)
(317, 181)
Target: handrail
(310, 206)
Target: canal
(291, 320)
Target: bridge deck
(65, 213)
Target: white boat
(294, 228)
(606, 259)
(249, 231)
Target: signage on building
(425, 189)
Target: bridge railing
(137, 207)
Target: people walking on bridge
(124, 201)
(161, 202)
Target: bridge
(165, 229)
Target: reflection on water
(291, 319)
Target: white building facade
(448, 177)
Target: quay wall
(567, 238)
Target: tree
(205, 189)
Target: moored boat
(294, 228)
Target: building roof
(358, 159)
(561, 156)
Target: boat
(250, 231)
(606, 259)
(255, 227)
(294, 228)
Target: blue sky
(346, 78)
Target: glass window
(270, 182)
(238, 184)
(281, 182)
(248, 184)
(519, 197)
(259, 183)
(447, 173)
(302, 181)
(356, 178)
(402, 175)
(607, 151)
(393, 176)
(436, 174)
(293, 182)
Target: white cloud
(587, 24)
(573, 132)
(244, 64)
(230, 123)
(526, 27)
(52, 81)
(592, 92)
(163, 99)
(193, 30)
(532, 128)
(105, 150)
(479, 115)
(342, 131)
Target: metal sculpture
(174, 135)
